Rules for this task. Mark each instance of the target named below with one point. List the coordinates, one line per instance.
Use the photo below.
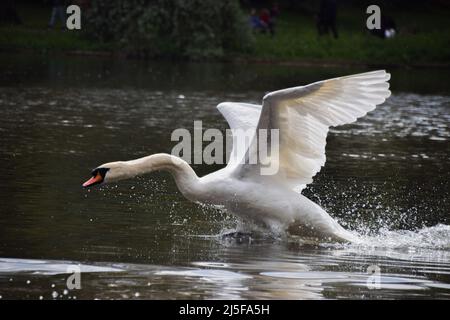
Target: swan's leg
(237, 235)
(313, 221)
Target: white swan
(303, 116)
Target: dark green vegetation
(212, 29)
(172, 29)
(167, 28)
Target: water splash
(436, 237)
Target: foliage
(170, 28)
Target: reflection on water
(386, 177)
(264, 271)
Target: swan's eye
(102, 171)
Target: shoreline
(236, 60)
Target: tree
(170, 28)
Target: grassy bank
(423, 39)
(33, 34)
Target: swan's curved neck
(185, 177)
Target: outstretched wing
(303, 116)
(242, 119)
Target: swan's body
(303, 116)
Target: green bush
(170, 28)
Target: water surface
(387, 178)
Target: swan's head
(108, 172)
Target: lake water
(387, 177)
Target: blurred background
(327, 31)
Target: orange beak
(94, 180)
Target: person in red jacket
(266, 19)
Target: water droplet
(65, 292)
(41, 298)
(28, 281)
(137, 294)
(54, 294)
(53, 285)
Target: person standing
(57, 11)
(326, 19)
